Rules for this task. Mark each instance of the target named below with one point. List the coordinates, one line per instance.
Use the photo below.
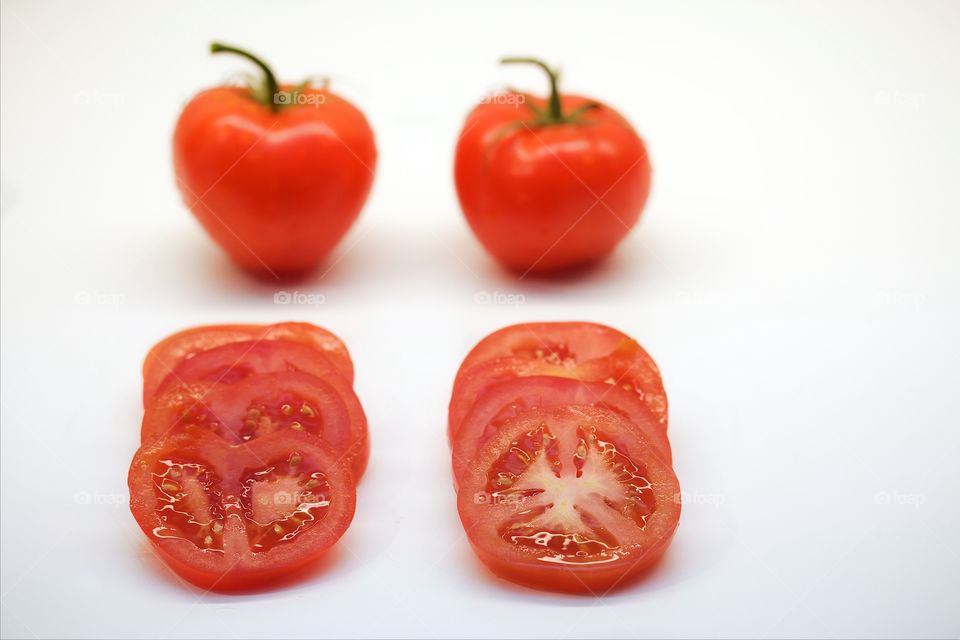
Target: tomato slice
(233, 362)
(569, 499)
(166, 355)
(564, 343)
(504, 401)
(261, 404)
(233, 517)
(629, 368)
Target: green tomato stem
(554, 111)
(270, 81)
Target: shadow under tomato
(213, 263)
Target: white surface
(796, 275)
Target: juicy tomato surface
(546, 188)
(262, 404)
(276, 174)
(165, 356)
(568, 499)
(582, 350)
(233, 517)
(505, 401)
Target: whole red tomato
(276, 174)
(549, 184)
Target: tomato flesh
(569, 499)
(229, 517)
(262, 404)
(581, 350)
(165, 356)
(558, 341)
(504, 401)
(233, 362)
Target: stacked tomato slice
(561, 458)
(251, 446)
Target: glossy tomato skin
(207, 538)
(543, 198)
(164, 357)
(276, 190)
(491, 515)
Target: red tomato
(165, 356)
(275, 174)
(233, 517)
(233, 362)
(582, 350)
(549, 184)
(503, 402)
(569, 499)
(560, 342)
(262, 404)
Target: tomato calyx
(267, 92)
(553, 114)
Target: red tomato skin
(547, 198)
(164, 356)
(276, 190)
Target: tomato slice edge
(482, 511)
(164, 356)
(227, 568)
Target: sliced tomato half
(569, 499)
(233, 517)
(164, 357)
(262, 404)
(504, 401)
(582, 350)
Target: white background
(796, 275)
